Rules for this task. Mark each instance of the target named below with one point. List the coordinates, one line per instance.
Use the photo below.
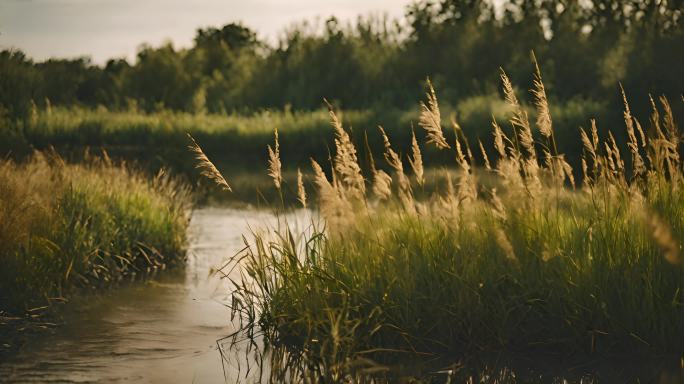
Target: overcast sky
(103, 29)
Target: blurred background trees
(584, 47)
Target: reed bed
(234, 141)
(67, 228)
(542, 257)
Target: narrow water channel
(161, 331)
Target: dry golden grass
(274, 166)
(416, 160)
(431, 119)
(208, 169)
(301, 191)
(66, 226)
(527, 259)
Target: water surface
(161, 331)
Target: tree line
(584, 48)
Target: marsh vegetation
(540, 259)
(68, 228)
(490, 221)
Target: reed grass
(237, 141)
(527, 261)
(67, 228)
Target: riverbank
(162, 330)
(67, 228)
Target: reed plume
(484, 156)
(332, 205)
(460, 156)
(301, 192)
(274, 165)
(586, 178)
(382, 184)
(416, 160)
(519, 119)
(638, 166)
(588, 144)
(615, 151)
(467, 189)
(541, 102)
(591, 146)
(393, 159)
(208, 169)
(346, 162)
(431, 120)
(567, 170)
(671, 144)
(499, 136)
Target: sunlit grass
(523, 255)
(65, 227)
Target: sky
(104, 29)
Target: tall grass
(237, 141)
(66, 227)
(541, 257)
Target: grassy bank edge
(73, 229)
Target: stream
(161, 331)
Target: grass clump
(66, 227)
(537, 257)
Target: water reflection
(162, 331)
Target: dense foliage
(587, 46)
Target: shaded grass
(65, 227)
(238, 142)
